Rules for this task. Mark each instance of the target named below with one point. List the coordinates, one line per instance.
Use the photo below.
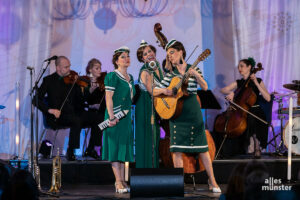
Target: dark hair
(235, 188)
(116, 57)
(59, 58)
(250, 61)
(139, 52)
(21, 186)
(178, 46)
(91, 64)
(255, 175)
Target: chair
(47, 127)
(267, 108)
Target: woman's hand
(230, 96)
(167, 92)
(254, 79)
(94, 85)
(193, 72)
(113, 122)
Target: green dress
(143, 131)
(187, 131)
(118, 140)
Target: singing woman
(145, 136)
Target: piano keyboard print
(118, 115)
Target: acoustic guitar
(169, 107)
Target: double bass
(189, 159)
(233, 122)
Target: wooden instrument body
(170, 106)
(233, 122)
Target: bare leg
(208, 166)
(122, 172)
(256, 147)
(177, 159)
(116, 166)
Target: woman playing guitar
(187, 131)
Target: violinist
(256, 130)
(95, 97)
(187, 131)
(144, 136)
(61, 111)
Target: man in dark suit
(51, 95)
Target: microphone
(152, 64)
(49, 59)
(30, 68)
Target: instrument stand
(225, 136)
(280, 149)
(208, 101)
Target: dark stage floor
(107, 192)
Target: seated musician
(256, 130)
(95, 98)
(187, 131)
(69, 114)
(143, 158)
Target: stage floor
(100, 173)
(107, 192)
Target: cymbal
(279, 95)
(2, 107)
(291, 86)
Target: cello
(189, 161)
(233, 122)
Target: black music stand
(208, 101)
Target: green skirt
(144, 135)
(118, 141)
(187, 131)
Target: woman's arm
(109, 105)
(261, 87)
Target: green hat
(122, 49)
(170, 43)
(143, 43)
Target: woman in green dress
(143, 133)
(118, 138)
(187, 131)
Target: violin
(73, 78)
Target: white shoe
(216, 190)
(120, 190)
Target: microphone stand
(152, 118)
(34, 93)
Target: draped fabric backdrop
(33, 30)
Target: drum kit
(283, 112)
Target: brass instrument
(56, 174)
(36, 171)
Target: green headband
(170, 43)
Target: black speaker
(156, 182)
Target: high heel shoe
(257, 154)
(126, 186)
(120, 188)
(216, 190)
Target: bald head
(62, 66)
